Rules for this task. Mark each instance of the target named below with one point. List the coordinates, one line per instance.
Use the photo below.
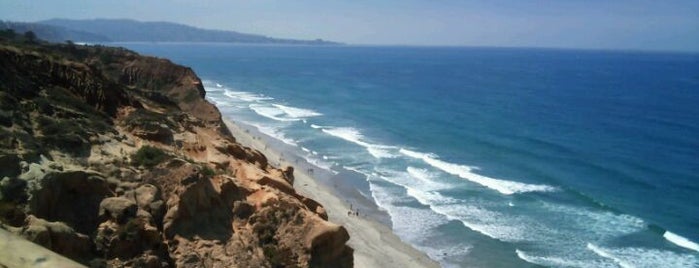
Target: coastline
(374, 243)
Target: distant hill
(124, 30)
(53, 33)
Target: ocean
(486, 157)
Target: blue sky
(621, 24)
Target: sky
(595, 24)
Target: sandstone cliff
(116, 159)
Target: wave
(246, 96)
(316, 126)
(410, 223)
(274, 133)
(326, 165)
(271, 113)
(297, 112)
(354, 136)
(552, 261)
(421, 174)
(465, 172)
(219, 102)
(644, 257)
(489, 223)
(608, 255)
(681, 241)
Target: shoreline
(374, 243)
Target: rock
(128, 240)
(118, 209)
(242, 210)
(244, 153)
(33, 172)
(72, 197)
(327, 246)
(173, 214)
(145, 195)
(279, 184)
(288, 173)
(155, 132)
(59, 237)
(18, 252)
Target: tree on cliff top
(30, 36)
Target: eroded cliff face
(112, 158)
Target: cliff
(115, 159)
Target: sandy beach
(374, 243)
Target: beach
(374, 243)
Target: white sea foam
(413, 224)
(219, 85)
(681, 241)
(316, 126)
(354, 136)
(596, 222)
(492, 224)
(603, 253)
(552, 261)
(465, 172)
(275, 133)
(219, 102)
(270, 112)
(346, 133)
(327, 165)
(421, 174)
(246, 96)
(358, 170)
(297, 112)
(645, 257)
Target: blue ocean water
(487, 157)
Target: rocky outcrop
(115, 159)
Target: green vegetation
(147, 120)
(7, 34)
(30, 36)
(208, 172)
(149, 156)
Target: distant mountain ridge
(126, 30)
(52, 33)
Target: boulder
(145, 195)
(72, 197)
(327, 244)
(57, 236)
(118, 209)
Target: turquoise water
(486, 157)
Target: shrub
(148, 156)
(208, 172)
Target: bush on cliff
(148, 156)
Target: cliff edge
(114, 159)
